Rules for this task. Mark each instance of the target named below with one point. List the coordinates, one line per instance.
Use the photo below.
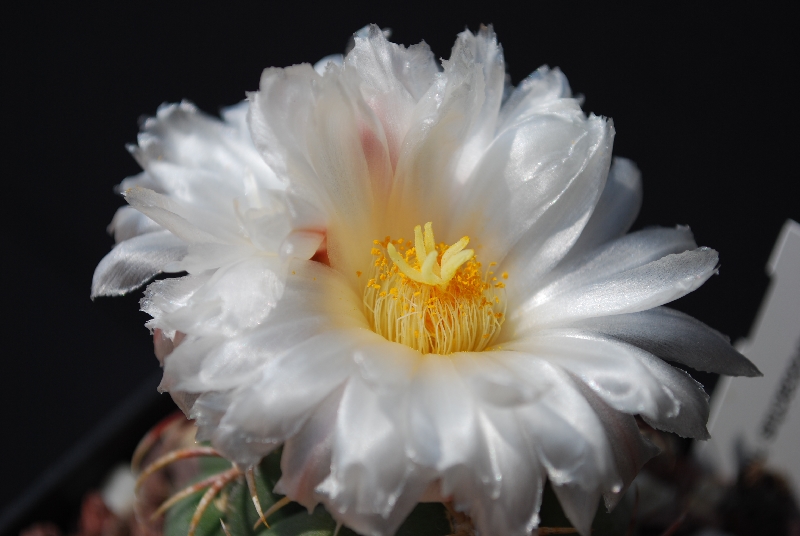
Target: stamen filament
(438, 302)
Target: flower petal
(675, 336)
(501, 487)
(236, 298)
(447, 118)
(442, 416)
(629, 449)
(628, 252)
(490, 379)
(633, 290)
(306, 456)
(284, 394)
(167, 296)
(129, 222)
(616, 209)
(579, 505)
(563, 427)
(542, 91)
(392, 80)
(547, 174)
(133, 262)
(627, 378)
(189, 223)
(486, 53)
(198, 159)
(278, 118)
(372, 485)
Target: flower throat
(433, 297)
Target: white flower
(393, 370)
(206, 204)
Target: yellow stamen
(433, 297)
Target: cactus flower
(417, 279)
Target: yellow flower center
(433, 297)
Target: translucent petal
(629, 449)
(629, 291)
(616, 209)
(187, 222)
(133, 262)
(501, 486)
(167, 296)
(675, 336)
(372, 485)
(279, 115)
(628, 252)
(579, 505)
(628, 379)
(485, 52)
(274, 407)
(489, 378)
(546, 175)
(442, 122)
(442, 415)
(392, 79)
(306, 456)
(315, 302)
(129, 222)
(563, 427)
(537, 94)
(198, 159)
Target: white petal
(675, 336)
(190, 223)
(321, 129)
(628, 379)
(167, 296)
(578, 437)
(483, 50)
(546, 176)
(579, 505)
(372, 485)
(628, 252)
(315, 301)
(506, 498)
(129, 222)
(267, 217)
(442, 123)
(133, 262)
(236, 298)
(490, 378)
(202, 257)
(633, 290)
(286, 392)
(442, 416)
(278, 117)
(387, 367)
(616, 209)
(199, 159)
(352, 189)
(207, 410)
(563, 426)
(629, 449)
(306, 456)
(538, 93)
(141, 180)
(321, 65)
(392, 80)
(301, 245)
(692, 414)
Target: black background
(700, 96)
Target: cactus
(220, 499)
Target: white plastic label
(761, 416)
